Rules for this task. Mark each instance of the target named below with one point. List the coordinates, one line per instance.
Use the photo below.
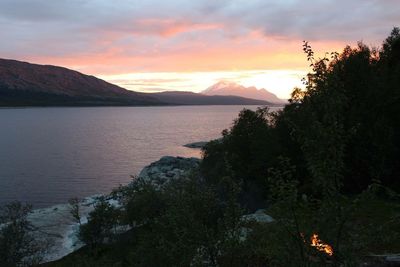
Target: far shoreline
(61, 229)
(138, 106)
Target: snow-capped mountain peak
(232, 88)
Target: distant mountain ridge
(23, 83)
(228, 88)
(190, 98)
(26, 84)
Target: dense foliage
(325, 157)
(341, 133)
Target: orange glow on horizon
(266, 62)
(208, 38)
(279, 82)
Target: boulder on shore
(196, 144)
(201, 144)
(259, 216)
(167, 169)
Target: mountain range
(190, 98)
(230, 88)
(26, 84)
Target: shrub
(18, 246)
(101, 222)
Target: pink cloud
(170, 27)
(100, 37)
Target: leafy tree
(101, 223)
(187, 221)
(142, 202)
(75, 209)
(18, 247)
(245, 153)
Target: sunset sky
(189, 45)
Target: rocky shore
(168, 168)
(56, 226)
(200, 144)
(196, 144)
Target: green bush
(245, 153)
(192, 226)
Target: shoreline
(56, 226)
(144, 106)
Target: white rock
(259, 216)
(56, 226)
(167, 169)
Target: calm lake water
(48, 155)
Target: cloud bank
(115, 37)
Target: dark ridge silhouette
(23, 83)
(190, 98)
(26, 84)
